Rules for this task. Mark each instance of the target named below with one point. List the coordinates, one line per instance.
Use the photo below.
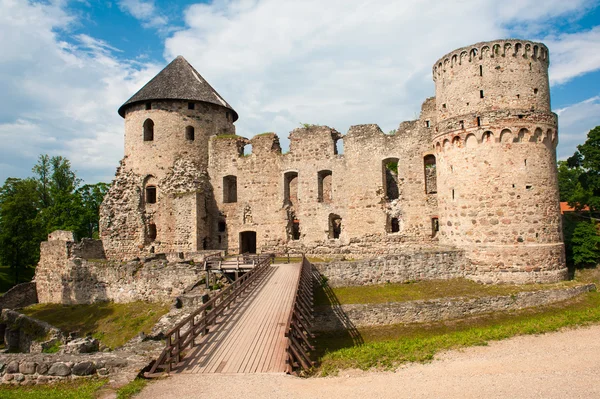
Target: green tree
(61, 206)
(20, 235)
(586, 244)
(568, 181)
(586, 162)
(91, 196)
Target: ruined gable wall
(356, 182)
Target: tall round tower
(158, 201)
(495, 142)
(172, 116)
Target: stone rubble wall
(416, 265)
(28, 369)
(19, 296)
(433, 310)
(26, 334)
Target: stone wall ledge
(32, 369)
(432, 310)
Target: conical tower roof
(178, 81)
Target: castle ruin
(476, 173)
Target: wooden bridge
(258, 324)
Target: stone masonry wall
(415, 265)
(423, 311)
(65, 275)
(357, 189)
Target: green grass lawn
(111, 323)
(426, 289)
(78, 389)
(7, 277)
(390, 346)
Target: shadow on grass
(346, 334)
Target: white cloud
(574, 122)
(145, 11)
(573, 54)
(62, 97)
(343, 62)
(278, 62)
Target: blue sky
(67, 65)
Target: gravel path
(558, 365)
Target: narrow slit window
(427, 124)
(435, 226)
(296, 230)
(480, 70)
(478, 121)
(452, 193)
(151, 194)
(480, 93)
(152, 232)
(290, 188)
(394, 226)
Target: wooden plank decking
(249, 337)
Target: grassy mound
(112, 323)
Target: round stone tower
(158, 201)
(171, 117)
(495, 143)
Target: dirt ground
(558, 365)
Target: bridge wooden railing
(297, 332)
(183, 335)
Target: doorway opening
(248, 242)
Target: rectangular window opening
(151, 195)
(478, 121)
(427, 124)
(191, 105)
(435, 226)
(480, 70)
(480, 93)
(148, 106)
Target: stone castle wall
(70, 272)
(268, 203)
(479, 165)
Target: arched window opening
(430, 174)
(229, 189)
(151, 194)
(148, 130)
(290, 188)
(325, 190)
(435, 226)
(190, 133)
(335, 226)
(390, 178)
(151, 232)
